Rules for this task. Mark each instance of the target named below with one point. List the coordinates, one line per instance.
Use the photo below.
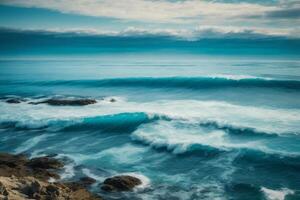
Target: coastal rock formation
(67, 102)
(25, 188)
(20, 166)
(120, 183)
(23, 179)
(45, 163)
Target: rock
(13, 101)
(28, 188)
(45, 163)
(112, 100)
(83, 182)
(12, 160)
(120, 183)
(67, 102)
(24, 179)
(18, 165)
(86, 181)
(13, 165)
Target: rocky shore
(26, 179)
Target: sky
(183, 18)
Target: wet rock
(120, 183)
(86, 181)
(83, 182)
(67, 102)
(13, 101)
(45, 163)
(18, 165)
(27, 179)
(112, 100)
(12, 160)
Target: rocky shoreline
(26, 179)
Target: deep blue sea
(190, 126)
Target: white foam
(88, 173)
(125, 154)
(178, 138)
(237, 77)
(68, 171)
(276, 194)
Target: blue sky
(187, 18)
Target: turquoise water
(190, 126)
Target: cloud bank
(188, 19)
(162, 11)
(201, 32)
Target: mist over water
(191, 126)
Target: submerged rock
(120, 183)
(67, 102)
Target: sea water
(189, 126)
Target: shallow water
(192, 127)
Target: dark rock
(18, 165)
(86, 181)
(112, 100)
(120, 183)
(83, 182)
(45, 163)
(21, 177)
(67, 102)
(12, 161)
(13, 101)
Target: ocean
(189, 125)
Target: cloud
(202, 32)
(162, 11)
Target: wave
(127, 123)
(237, 130)
(123, 122)
(181, 138)
(204, 82)
(126, 116)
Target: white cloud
(149, 10)
(187, 34)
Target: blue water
(191, 126)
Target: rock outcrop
(20, 166)
(26, 179)
(25, 188)
(66, 102)
(120, 183)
